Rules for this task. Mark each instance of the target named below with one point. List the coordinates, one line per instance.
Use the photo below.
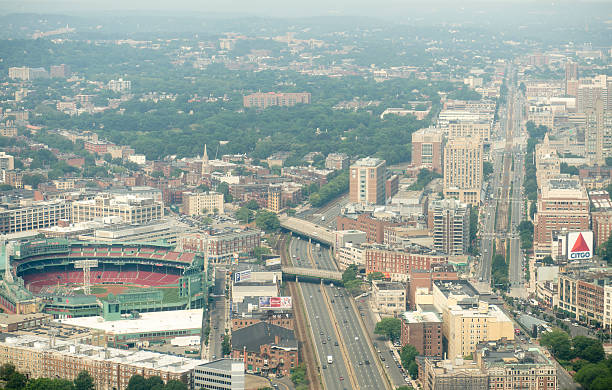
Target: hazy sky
(268, 7)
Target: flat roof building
(463, 159)
(222, 374)
(367, 181)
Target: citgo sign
(580, 245)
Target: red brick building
(398, 264)
(423, 330)
(284, 320)
(602, 226)
(420, 279)
(374, 228)
(266, 348)
(97, 147)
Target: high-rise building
(468, 129)
(428, 148)
(367, 181)
(451, 232)
(571, 75)
(563, 205)
(463, 169)
(598, 133)
(593, 89)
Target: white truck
(330, 359)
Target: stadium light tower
(86, 265)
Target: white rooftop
(148, 322)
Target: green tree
(408, 353)
(223, 188)
(137, 382)
(252, 205)
(595, 376)
(375, 276)
(6, 370)
(175, 385)
(50, 384)
(84, 381)
(298, 375)
(350, 273)
(588, 348)
(267, 221)
(16, 381)
(559, 344)
(389, 327)
(244, 215)
(260, 251)
(226, 346)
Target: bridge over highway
(326, 275)
(308, 229)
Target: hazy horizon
(276, 8)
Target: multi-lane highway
(333, 319)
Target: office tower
(598, 133)
(571, 75)
(563, 204)
(591, 90)
(367, 181)
(463, 170)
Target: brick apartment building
(398, 263)
(423, 330)
(374, 228)
(423, 279)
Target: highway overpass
(311, 273)
(308, 229)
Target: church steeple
(205, 156)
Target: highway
(333, 314)
(217, 317)
(321, 326)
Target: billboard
(580, 245)
(275, 303)
(242, 276)
(273, 261)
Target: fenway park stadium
(76, 279)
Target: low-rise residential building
(389, 298)
(336, 161)
(453, 374)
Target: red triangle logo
(580, 245)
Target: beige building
(132, 209)
(7, 162)
(451, 226)
(541, 115)
(428, 149)
(110, 368)
(469, 129)
(367, 181)
(547, 161)
(598, 133)
(389, 297)
(194, 203)
(34, 215)
(453, 374)
(463, 159)
(466, 325)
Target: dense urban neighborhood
(194, 201)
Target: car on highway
(341, 378)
